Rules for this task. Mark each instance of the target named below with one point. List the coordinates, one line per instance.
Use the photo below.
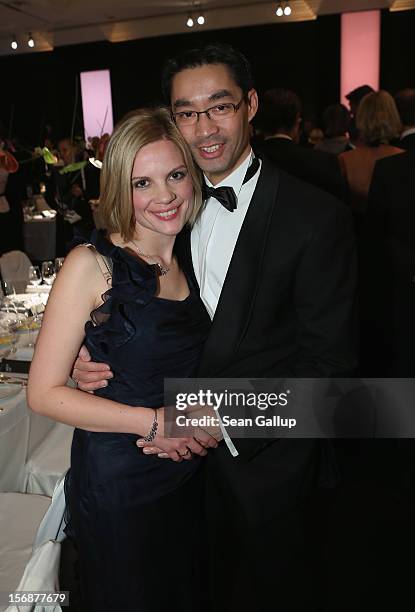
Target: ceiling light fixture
(190, 23)
(14, 44)
(201, 20)
(283, 8)
(279, 10)
(30, 41)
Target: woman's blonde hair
(136, 130)
(377, 118)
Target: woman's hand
(177, 449)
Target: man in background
(405, 101)
(354, 98)
(281, 123)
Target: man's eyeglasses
(214, 113)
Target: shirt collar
(278, 135)
(408, 132)
(236, 178)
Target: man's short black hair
(279, 110)
(356, 95)
(336, 121)
(212, 53)
(405, 101)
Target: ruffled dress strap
(104, 262)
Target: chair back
(14, 268)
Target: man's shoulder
(407, 141)
(289, 147)
(398, 162)
(299, 195)
(394, 180)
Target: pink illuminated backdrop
(360, 51)
(96, 103)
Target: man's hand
(89, 375)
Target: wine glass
(35, 277)
(48, 272)
(34, 329)
(7, 342)
(27, 330)
(58, 263)
(8, 288)
(7, 303)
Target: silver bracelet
(153, 431)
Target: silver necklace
(162, 269)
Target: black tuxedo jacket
(286, 310)
(407, 143)
(388, 266)
(316, 167)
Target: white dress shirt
(407, 132)
(213, 241)
(215, 233)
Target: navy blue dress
(137, 520)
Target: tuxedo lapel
(239, 289)
(183, 250)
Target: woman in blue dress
(136, 519)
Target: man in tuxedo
(388, 266)
(276, 270)
(405, 101)
(281, 122)
(354, 98)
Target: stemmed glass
(48, 272)
(8, 288)
(7, 342)
(34, 326)
(59, 263)
(35, 277)
(33, 331)
(9, 305)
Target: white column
(96, 103)
(360, 51)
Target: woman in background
(378, 123)
(136, 519)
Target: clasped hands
(91, 376)
(197, 441)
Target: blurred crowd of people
(364, 155)
(65, 178)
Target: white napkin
(38, 289)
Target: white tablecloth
(20, 516)
(49, 459)
(14, 441)
(34, 450)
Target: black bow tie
(226, 195)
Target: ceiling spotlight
(13, 44)
(200, 20)
(30, 41)
(287, 10)
(280, 11)
(190, 23)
